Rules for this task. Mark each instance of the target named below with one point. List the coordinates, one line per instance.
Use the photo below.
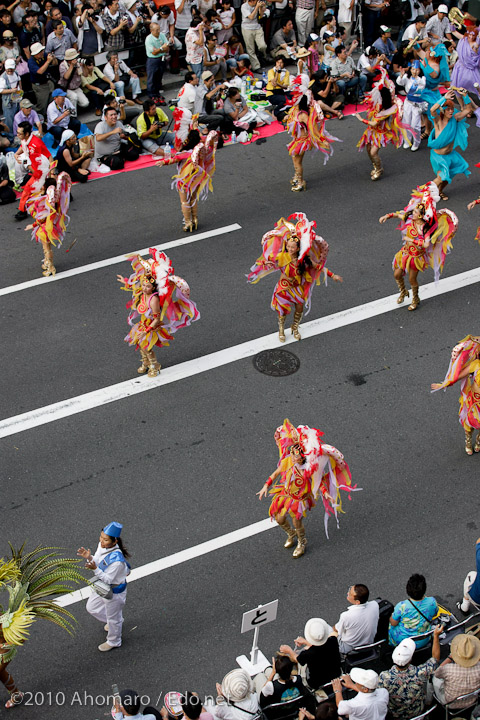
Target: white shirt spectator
(164, 22)
(366, 706)
(246, 23)
(364, 62)
(412, 32)
(344, 12)
(53, 112)
(186, 96)
(109, 71)
(357, 625)
(184, 18)
(438, 27)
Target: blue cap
(59, 93)
(328, 12)
(113, 529)
(416, 64)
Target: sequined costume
(388, 127)
(465, 367)
(317, 471)
(306, 124)
(294, 287)
(196, 166)
(50, 214)
(424, 247)
(176, 309)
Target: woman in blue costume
(434, 64)
(450, 131)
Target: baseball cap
(7, 34)
(206, 75)
(385, 29)
(59, 93)
(25, 103)
(403, 653)
(443, 9)
(10, 64)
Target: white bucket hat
(237, 685)
(317, 631)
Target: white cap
(10, 64)
(403, 653)
(443, 9)
(367, 678)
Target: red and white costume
(39, 158)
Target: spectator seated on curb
(7, 193)
(414, 615)
(211, 61)
(60, 116)
(192, 707)
(319, 653)
(95, 84)
(242, 68)
(283, 40)
(277, 88)
(188, 92)
(236, 699)
(118, 73)
(150, 124)
(344, 74)
(70, 161)
(358, 624)
(71, 79)
(406, 683)
(286, 687)
(206, 93)
(370, 702)
(235, 52)
(112, 147)
(367, 63)
(459, 674)
(27, 114)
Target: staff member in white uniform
(111, 566)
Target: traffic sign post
(252, 620)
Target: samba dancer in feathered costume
(50, 214)
(195, 155)
(294, 248)
(427, 239)
(384, 121)
(33, 581)
(306, 124)
(465, 366)
(308, 468)
(162, 301)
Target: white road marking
(178, 558)
(81, 403)
(118, 259)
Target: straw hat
(465, 650)
(237, 685)
(302, 53)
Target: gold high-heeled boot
(415, 298)
(468, 442)
(281, 328)
(154, 366)
(195, 216)
(187, 217)
(477, 443)
(296, 324)
(144, 366)
(377, 171)
(49, 266)
(403, 290)
(441, 189)
(301, 544)
(299, 183)
(291, 532)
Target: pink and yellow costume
(294, 287)
(428, 247)
(196, 167)
(298, 484)
(465, 366)
(176, 309)
(307, 135)
(50, 214)
(388, 126)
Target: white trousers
(412, 115)
(77, 97)
(304, 20)
(467, 584)
(110, 612)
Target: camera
(122, 101)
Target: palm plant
(32, 581)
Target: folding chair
(452, 712)
(363, 654)
(425, 714)
(285, 710)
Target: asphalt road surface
(180, 463)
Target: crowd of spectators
(308, 681)
(59, 57)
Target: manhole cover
(276, 362)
